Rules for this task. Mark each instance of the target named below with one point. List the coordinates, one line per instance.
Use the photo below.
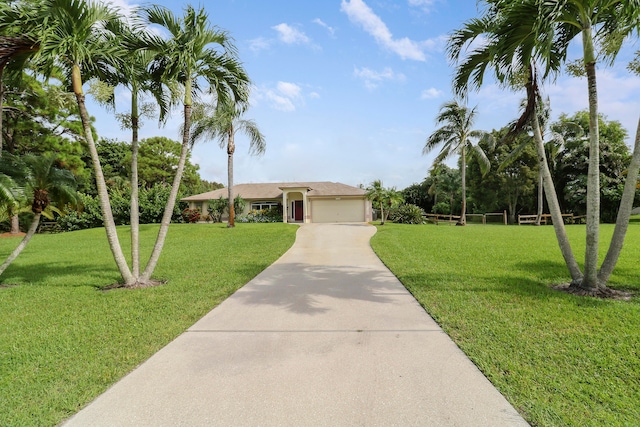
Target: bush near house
(407, 214)
(191, 215)
(263, 215)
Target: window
(258, 206)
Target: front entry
(298, 214)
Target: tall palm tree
(189, 57)
(135, 75)
(600, 23)
(457, 137)
(45, 185)
(74, 36)
(519, 33)
(509, 51)
(223, 125)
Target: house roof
(274, 191)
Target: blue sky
(348, 90)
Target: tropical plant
(603, 26)
(45, 186)
(222, 124)
(383, 198)
(407, 214)
(457, 137)
(516, 34)
(74, 38)
(187, 57)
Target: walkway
(326, 336)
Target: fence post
(504, 214)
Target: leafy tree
(158, 161)
(222, 124)
(511, 184)
(188, 57)
(44, 187)
(457, 137)
(418, 194)
(572, 164)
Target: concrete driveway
(326, 336)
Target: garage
(337, 210)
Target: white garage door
(331, 210)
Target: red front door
(297, 210)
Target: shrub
(191, 215)
(407, 214)
(216, 208)
(442, 208)
(264, 215)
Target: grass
(63, 340)
(560, 359)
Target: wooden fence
(453, 219)
(546, 219)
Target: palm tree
(134, 74)
(222, 125)
(457, 136)
(74, 36)
(45, 185)
(384, 198)
(599, 23)
(188, 57)
(510, 50)
(518, 33)
(375, 193)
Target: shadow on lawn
(41, 274)
(534, 284)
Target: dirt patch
(606, 293)
(12, 235)
(137, 285)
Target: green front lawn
(63, 341)
(561, 360)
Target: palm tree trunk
(381, 214)
(624, 212)
(540, 197)
(590, 280)
(463, 177)
(231, 148)
(173, 195)
(22, 245)
(554, 206)
(135, 214)
(105, 205)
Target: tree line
(513, 181)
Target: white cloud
(319, 21)
(431, 93)
(373, 78)
(290, 35)
(361, 14)
(285, 96)
(259, 43)
(422, 4)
